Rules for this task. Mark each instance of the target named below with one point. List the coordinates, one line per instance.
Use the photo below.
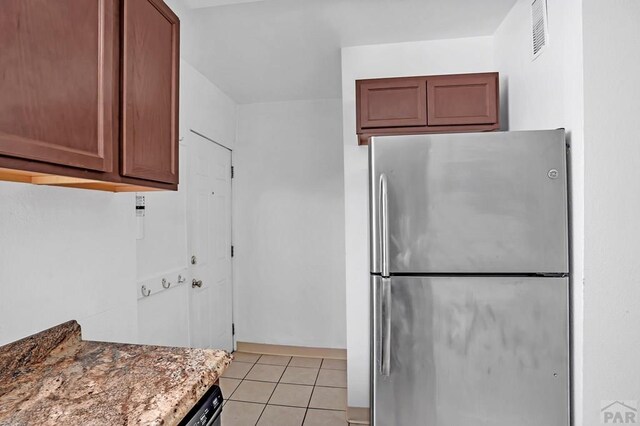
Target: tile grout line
(261, 413)
(241, 380)
(278, 382)
(305, 409)
(274, 389)
(328, 409)
(312, 392)
(228, 399)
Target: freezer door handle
(385, 319)
(384, 226)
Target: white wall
(66, 254)
(288, 224)
(205, 108)
(612, 203)
(544, 94)
(388, 60)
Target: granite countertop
(56, 378)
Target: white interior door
(209, 227)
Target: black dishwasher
(207, 411)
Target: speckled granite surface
(55, 378)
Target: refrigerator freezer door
(471, 203)
(471, 351)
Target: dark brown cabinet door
(57, 77)
(462, 99)
(150, 91)
(394, 102)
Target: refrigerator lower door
(470, 351)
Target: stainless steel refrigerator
(469, 279)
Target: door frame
(197, 133)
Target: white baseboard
(301, 351)
(358, 415)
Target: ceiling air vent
(539, 29)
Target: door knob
(196, 283)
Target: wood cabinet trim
(16, 166)
(363, 138)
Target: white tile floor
(267, 390)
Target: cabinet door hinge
(233, 329)
(232, 172)
(232, 251)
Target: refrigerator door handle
(385, 317)
(384, 226)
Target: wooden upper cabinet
(392, 102)
(427, 104)
(150, 91)
(462, 99)
(57, 79)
